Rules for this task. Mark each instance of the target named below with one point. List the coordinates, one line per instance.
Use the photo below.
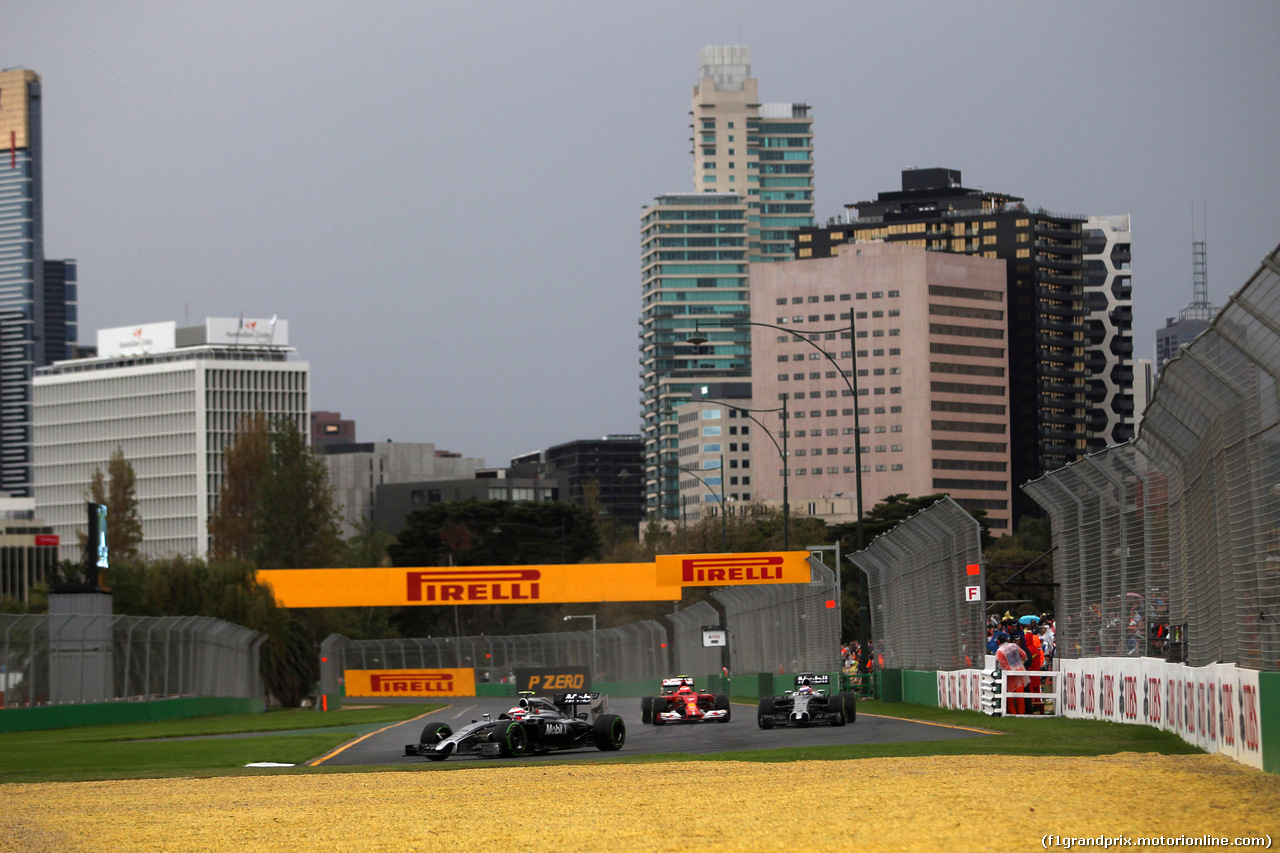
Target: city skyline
(396, 180)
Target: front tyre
(609, 732)
(511, 738)
(434, 733)
(646, 710)
(764, 713)
(722, 704)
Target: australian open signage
(400, 683)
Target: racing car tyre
(850, 707)
(511, 737)
(434, 733)
(722, 704)
(646, 710)
(765, 712)
(609, 732)
(836, 705)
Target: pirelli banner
(400, 683)
(663, 580)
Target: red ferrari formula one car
(682, 702)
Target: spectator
(1010, 657)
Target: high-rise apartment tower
(37, 297)
(753, 187)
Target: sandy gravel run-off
(961, 802)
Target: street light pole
(724, 524)
(782, 452)
(594, 659)
(851, 381)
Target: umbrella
(1029, 620)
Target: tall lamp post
(782, 453)
(594, 661)
(851, 381)
(724, 524)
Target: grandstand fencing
(1170, 544)
(921, 615)
(780, 628)
(65, 658)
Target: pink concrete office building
(933, 376)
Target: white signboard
(714, 637)
(973, 593)
(137, 340)
(247, 331)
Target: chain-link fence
(1170, 544)
(630, 653)
(57, 659)
(686, 633)
(922, 618)
(784, 627)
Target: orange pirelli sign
(398, 587)
(734, 569)
(663, 580)
(382, 683)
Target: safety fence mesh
(922, 616)
(686, 634)
(631, 652)
(1170, 544)
(782, 628)
(57, 659)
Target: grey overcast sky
(443, 198)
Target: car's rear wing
(598, 701)
(812, 679)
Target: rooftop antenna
(1200, 308)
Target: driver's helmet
(686, 686)
(805, 688)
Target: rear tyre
(511, 738)
(646, 710)
(609, 732)
(764, 713)
(722, 704)
(434, 733)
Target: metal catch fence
(1170, 544)
(784, 627)
(58, 659)
(686, 630)
(921, 615)
(631, 652)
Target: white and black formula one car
(533, 725)
(808, 705)
(682, 702)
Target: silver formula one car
(807, 705)
(534, 725)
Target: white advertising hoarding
(247, 331)
(137, 340)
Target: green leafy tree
(244, 466)
(295, 522)
(117, 489)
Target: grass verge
(148, 750)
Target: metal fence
(921, 615)
(784, 627)
(632, 652)
(686, 640)
(1170, 544)
(58, 659)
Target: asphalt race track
(386, 746)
